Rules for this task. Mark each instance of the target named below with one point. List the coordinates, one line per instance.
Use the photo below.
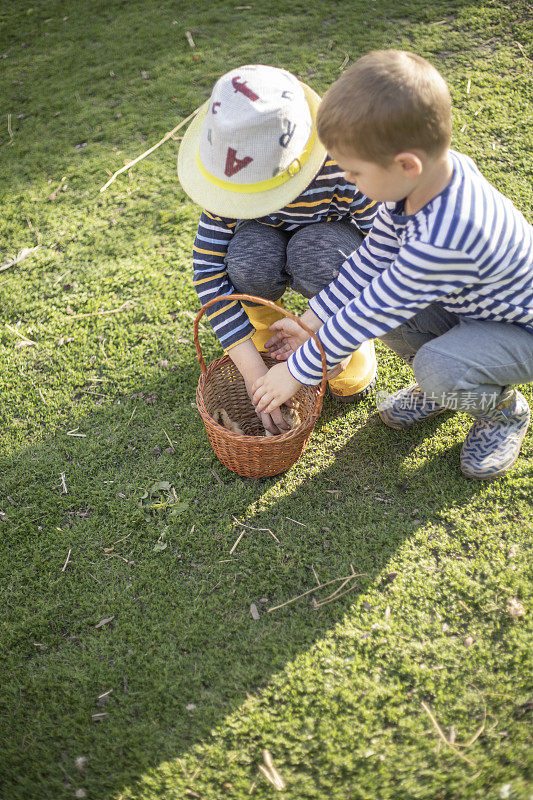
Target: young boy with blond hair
(444, 278)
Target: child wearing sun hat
(278, 212)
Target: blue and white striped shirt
(468, 249)
(328, 197)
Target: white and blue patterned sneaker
(493, 442)
(406, 407)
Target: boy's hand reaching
(273, 389)
(287, 338)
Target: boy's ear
(410, 164)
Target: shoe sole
(504, 470)
(416, 422)
(358, 396)
(492, 477)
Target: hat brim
(244, 205)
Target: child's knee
(436, 372)
(311, 265)
(245, 281)
(262, 277)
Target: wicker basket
(221, 385)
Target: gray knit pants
(262, 260)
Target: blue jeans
(463, 363)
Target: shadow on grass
(182, 649)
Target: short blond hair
(387, 102)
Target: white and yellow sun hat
(252, 148)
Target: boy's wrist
(312, 321)
(248, 361)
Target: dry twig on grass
(124, 307)
(444, 739)
(17, 333)
(336, 594)
(24, 253)
(67, 561)
(217, 477)
(151, 150)
(63, 483)
(251, 528)
(296, 521)
(270, 772)
(237, 542)
(53, 195)
(523, 51)
(328, 599)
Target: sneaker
(493, 442)
(406, 407)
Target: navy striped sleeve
(420, 275)
(228, 319)
(328, 197)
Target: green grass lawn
(191, 687)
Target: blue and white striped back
(468, 249)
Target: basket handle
(252, 299)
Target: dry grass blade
(104, 621)
(124, 307)
(270, 778)
(237, 542)
(217, 477)
(17, 333)
(165, 138)
(481, 728)
(24, 253)
(9, 129)
(523, 51)
(277, 780)
(66, 562)
(345, 578)
(251, 528)
(334, 596)
(443, 736)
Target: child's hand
(273, 389)
(274, 423)
(286, 340)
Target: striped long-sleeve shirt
(468, 249)
(328, 197)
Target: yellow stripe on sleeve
(325, 201)
(362, 210)
(207, 252)
(211, 278)
(234, 344)
(211, 316)
(218, 219)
